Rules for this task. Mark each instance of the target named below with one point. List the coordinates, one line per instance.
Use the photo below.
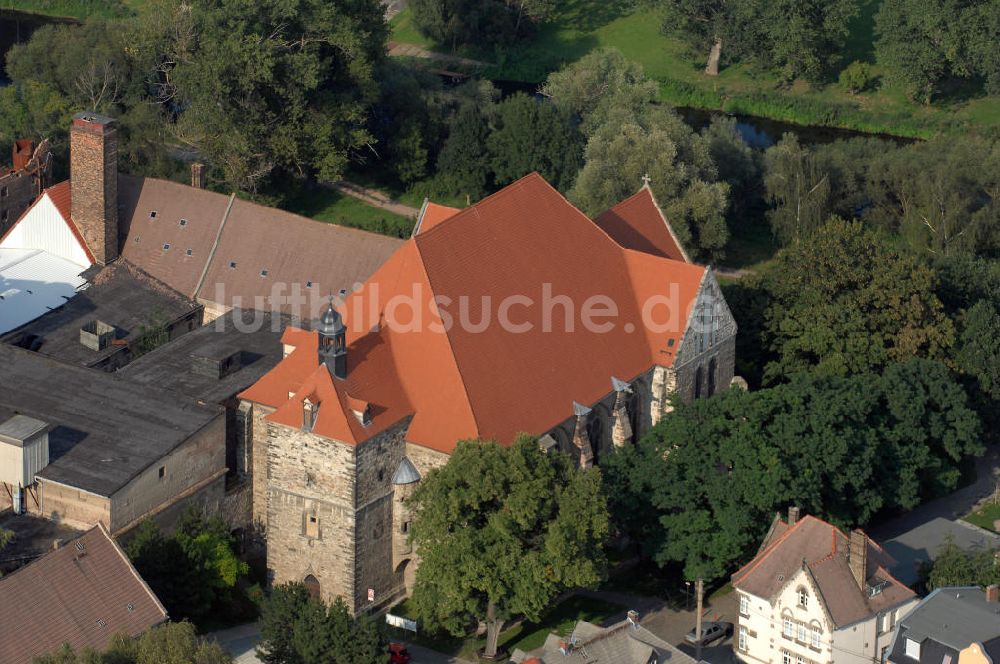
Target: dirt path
(400, 50)
(374, 197)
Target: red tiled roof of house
(82, 594)
(823, 549)
(494, 383)
(638, 223)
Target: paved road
(952, 506)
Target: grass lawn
(332, 206)
(405, 32)
(583, 25)
(79, 9)
(527, 636)
(984, 517)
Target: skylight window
(309, 284)
(189, 252)
(166, 247)
(232, 265)
(263, 273)
(152, 214)
(184, 222)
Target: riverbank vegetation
(756, 84)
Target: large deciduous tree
(656, 142)
(297, 628)
(172, 643)
(846, 300)
(802, 38)
(501, 531)
(702, 487)
(269, 84)
(955, 567)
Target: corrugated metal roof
(33, 282)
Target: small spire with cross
(646, 180)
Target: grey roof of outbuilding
(20, 428)
(255, 335)
(621, 643)
(954, 618)
(921, 545)
(406, 473)
(120, 295)
(105, 430)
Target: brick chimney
(93, 174)
(992, 594)
(198, 175)
(793, 515)
(857, 557)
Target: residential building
(626, 642)
(814, 595)
(915, 548)
(951, 625)
(83, 593)
(363, 406)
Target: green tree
(501, 532)
(297, 628)
(856, 77)
(799, 190)
(190, 570)
(955, 567)
(531, 135)
(702, 486)
(684, 178)
(846, 301)
(272, 85)
(600, 84)
(457, 23)
(800, 38)
(171, 643)
(461, 164)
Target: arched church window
(699, 378)
(312, 586)
(712, 366)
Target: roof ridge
(505, 190)
(760, 557)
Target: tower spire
(332, 342)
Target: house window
(312, 526)
(787, 628)
(3, 215)
(816, 633)
(786, 657)
(801, 633)
(404, 528)
(162, 472)
(3, 192)
(744, 605)
(742, 643)
(803, 598)
(886, 624)
(912, 649)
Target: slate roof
(946, 622)
(464, 383)
(621, 643)
(921, 544)
(82, 594)
(823, 549)
(638, 223)
(105, 430)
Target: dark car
(398, 654)
(710, 631)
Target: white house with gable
(815, 595)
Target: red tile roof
(81, 594)
(823, 549)
(434, 214)
(638, 223)
(491, 383)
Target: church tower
(332, 342)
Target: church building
(517, 314)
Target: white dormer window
(913, 649)
(803, 598)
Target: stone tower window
(312, 526)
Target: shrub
(856, 77)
